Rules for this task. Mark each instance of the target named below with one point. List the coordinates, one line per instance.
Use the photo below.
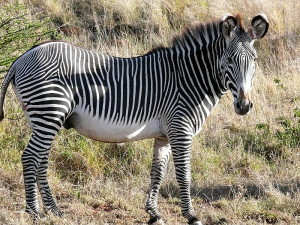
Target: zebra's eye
(229, 60)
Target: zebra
(166, 94)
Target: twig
(14, 119)
(11, 19)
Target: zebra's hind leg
(31, 160)
(44, 188)
(161, 157)
(35, 164)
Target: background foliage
(19, 31)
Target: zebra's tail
(6, 81)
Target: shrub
(18, 32)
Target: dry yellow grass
(241, 174)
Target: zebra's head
(237, 64)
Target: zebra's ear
(228, 25)
(260, 26)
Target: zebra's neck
(197, 59)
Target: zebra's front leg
(44, 188)
(161, 157)
(181, 146)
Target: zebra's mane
(196, 33)
(202, 33)
(199, 33)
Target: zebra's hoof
(34, 214)
(156, 221)
(57, 212)
(195, 221)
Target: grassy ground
(245, 170)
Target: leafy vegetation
(19, 32)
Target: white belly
(106, 131)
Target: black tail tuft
(7, 79)
(1, 115)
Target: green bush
(19, 31)
(271, 143)
(290, 134)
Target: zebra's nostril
(251, 105)
(238, 104)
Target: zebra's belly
(106, 131)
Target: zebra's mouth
(243, 106)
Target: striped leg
(31, 160)
(161, 156)
(181, 146)
(47, 108)
(35, 161)
(35, 164)
(44, 188)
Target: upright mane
(202, 33)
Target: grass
(245, 170)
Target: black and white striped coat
(166, 94)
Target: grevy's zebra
(166, 94)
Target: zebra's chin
(242, 112)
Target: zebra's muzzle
(243, 106)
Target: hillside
(245, 169)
